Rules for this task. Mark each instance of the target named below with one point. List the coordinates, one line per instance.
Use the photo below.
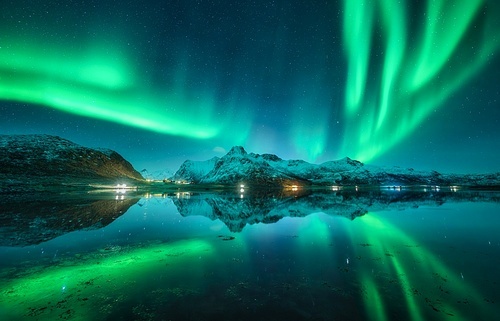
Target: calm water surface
(323, 256)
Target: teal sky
(407, 83)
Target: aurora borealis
(411, 85)
(408, 83)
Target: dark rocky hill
(52, 160)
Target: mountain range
(240, 167)
(39, 162)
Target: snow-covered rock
(238, 166)
(159, 175)
(194, 171)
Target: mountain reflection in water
(373, 255)
(36, 218)
(239, 210)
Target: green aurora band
(419, 71)
(101, 82)
(402, 63)
(310, 130)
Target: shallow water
(379, 255)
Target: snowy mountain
(159, 175)
(238, 166)
(194, 171)
(45, 159)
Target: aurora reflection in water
(174, 257)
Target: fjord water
(377, 255)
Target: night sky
(388, 82)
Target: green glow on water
(419, 70)
(84, 285)
(416, 269)
(314, 228)
(373, 300)
(411, 301)
(315, 233)
(380, 249)
(389, 270)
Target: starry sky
(387, 82)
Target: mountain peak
(237, 150)
(351, 161)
